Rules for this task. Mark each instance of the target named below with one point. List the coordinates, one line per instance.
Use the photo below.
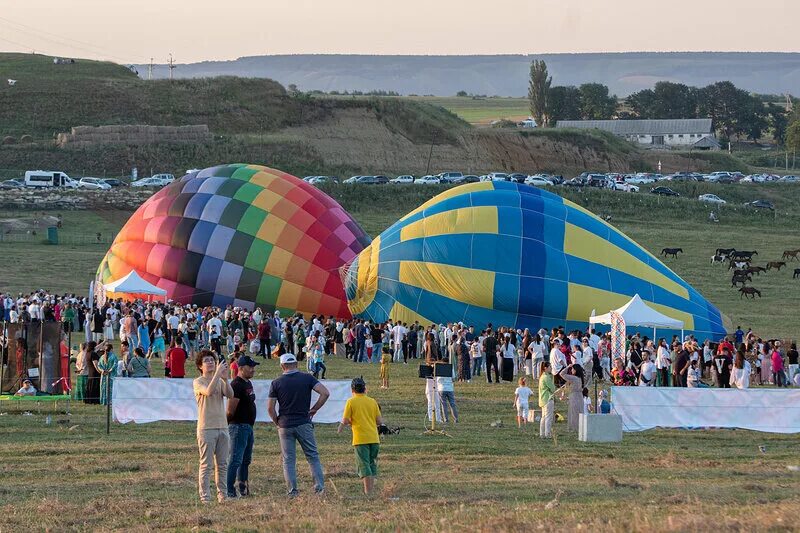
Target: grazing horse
(796, 273)
(734, 264)
(740, 278)
(749, 291)
(776, 265)
(671, 251)
(791, 254)
(755, 270)
(725, 252)
(744, 255)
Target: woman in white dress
(740, 373)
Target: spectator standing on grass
(547, 389)
(363, 415)
(447, 396)
(792, 356)
(292, 392)
(241, 414)
(573, 375)
(213, 440)
(82, 371)
(175, 359)
(521, 396)
(776, 358)
(740, 373)
(107, 367)
(139, 365)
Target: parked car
(664, 191)
(451, 177)
(761, 204)
(372, 180)
(711, 199)
(469, 178)
(641, 179)
(428, 180)
(114, 182)
(716, 176)
(681, 176)
(148, 182)
(403, 179)
(48, 178)
(316, 180)
(495, 176)
(790, 179)
(538, 181)
(625, 187)
(516, 177)
(575, 182)
(12, 184)
(600, 181)
(95, 184)
(352, 179)
(166, 179)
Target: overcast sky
(132, 31)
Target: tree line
(733, 111)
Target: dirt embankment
(356, 138)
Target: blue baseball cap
(246, 360)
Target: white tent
(134, 284)
(638, 313)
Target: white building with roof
(686, 133)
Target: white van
(49, 178)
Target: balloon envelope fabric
(242, 235)
(513, 255)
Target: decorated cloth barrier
(156, 399)
(767, 410)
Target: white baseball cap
(288, 358)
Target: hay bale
(8, 139)
(26, 139)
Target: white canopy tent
(133, 283)
(638, 313)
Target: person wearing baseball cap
(292, 391)
(241, 413)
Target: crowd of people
(226, 343)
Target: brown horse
(671, 252)
(755, 270)
(741, 278)
(776, 265)
(791, 254)
(749, 291)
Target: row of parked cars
(45, 179)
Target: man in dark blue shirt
(292, 392)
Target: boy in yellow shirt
(363, 414)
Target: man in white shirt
(398, 333)
(214, 328)
(594, 341)
(33, 310)
(557, 358)
(647, 373)
(663, 364)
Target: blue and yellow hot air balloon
(513, 255)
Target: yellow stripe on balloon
(584, 244)
(584, 299)
(468, 285)
(367, 284)
(402, 313)
(482, 219)
(455, 191)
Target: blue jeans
(377, 350)
(361, 352)
(289, 437)
(476, 366)
(449, 398)
(240, 458)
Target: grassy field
(481, 111)
(70, 475)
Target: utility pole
(150, 70)
(171, 66)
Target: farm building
(678, 133)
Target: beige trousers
(546, 424)
(214, 446)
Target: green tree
(462, 93)
(596, 104)
(642, 103)
(538, 91)
(720, 102)
(563, 103)
(778, 121)
(793, 136)
(674, 100)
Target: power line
(63, 41)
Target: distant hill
(506, 75)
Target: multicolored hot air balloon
(513, 255)
(242, 235)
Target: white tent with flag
(639, 314)
(133, 283)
